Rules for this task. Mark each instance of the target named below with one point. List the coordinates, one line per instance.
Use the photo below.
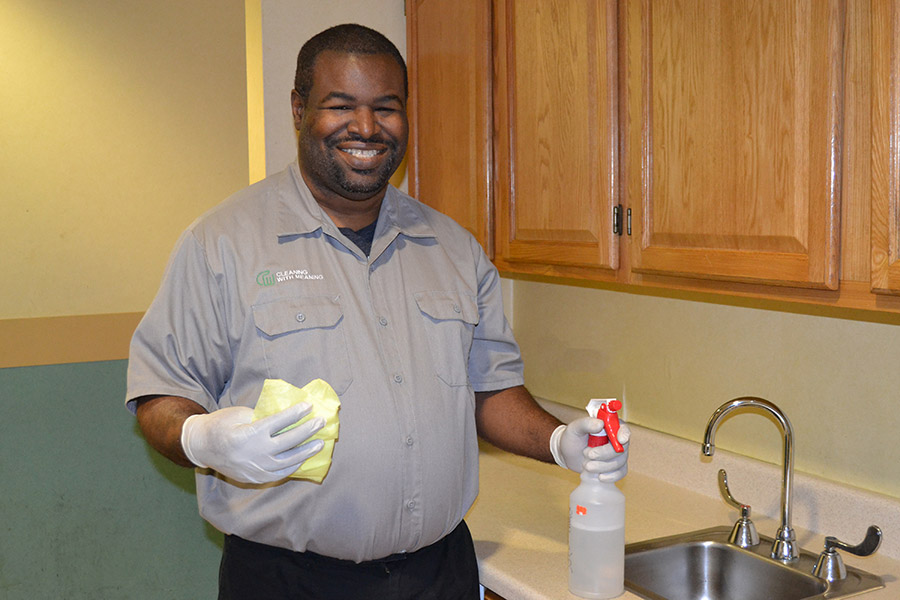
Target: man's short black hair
(350, 39)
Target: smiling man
(325, 271)
(353, 129)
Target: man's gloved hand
(568, 444)
(230, 442)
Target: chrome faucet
(785, 547)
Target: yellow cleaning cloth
(277, 395)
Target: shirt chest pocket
(303, 339)
(449, 319)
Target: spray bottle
(597, 520)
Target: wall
(89, 511)
(674, 361)
(120, 131)
(122, 120)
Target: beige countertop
(520, 520)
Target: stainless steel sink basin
(702, 565)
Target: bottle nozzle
(606, 411)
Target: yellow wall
(121, 122)
(674, 361)
(256, 109)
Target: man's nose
(364, 122)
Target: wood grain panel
(739, 116)
(450, 110)
(556, 115)
(885, 274)
(856, 155)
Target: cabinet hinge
(617, 219)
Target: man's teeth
(360, 153)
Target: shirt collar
(401, 213)
(298, 212)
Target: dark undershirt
(362, 238)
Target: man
(326, 271)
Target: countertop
(520, 520)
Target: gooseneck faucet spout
(785, 547)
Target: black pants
(446, 570)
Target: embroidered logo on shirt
(267, 278)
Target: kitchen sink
(703, 565)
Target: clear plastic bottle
(596, 539)
(596, 536)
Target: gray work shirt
(265, 286)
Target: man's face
(353, 129)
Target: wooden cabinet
(732, 124)
(556, 145)
(750, 145)
(449, 56)
(885, 149)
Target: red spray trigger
(607, 412)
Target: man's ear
(297, 106)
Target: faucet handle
(865, 548)
(830, 565)
(726, 493)
(743, 534)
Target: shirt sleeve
(495, 362)
(180, 347)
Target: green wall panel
(89, 510)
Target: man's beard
(333, 174)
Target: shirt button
(398, 378)
(383, 321)
(411, 504)
(301, 317)
(409, 441)
(456, 308)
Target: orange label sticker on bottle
(580, 510)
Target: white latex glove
(568, 444)
(230, 442)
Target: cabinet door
(885, 151)
(733, 137)
(449, 56)
(556, 132)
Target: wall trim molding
(70, 339)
